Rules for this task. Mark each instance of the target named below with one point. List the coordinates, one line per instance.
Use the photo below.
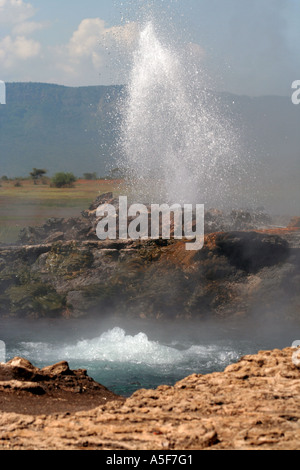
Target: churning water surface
(126, 362)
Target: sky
(249, 47)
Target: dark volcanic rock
(251, 251)
(83, 228)
(107, 198)
(56, 230)
(75, 274)
(237, 220)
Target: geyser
(176, 146)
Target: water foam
(115, 346)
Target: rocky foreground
(53, 389)
(253, 405)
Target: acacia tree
(37, 174)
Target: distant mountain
(73, 129)
(57, 128)
(270, 131)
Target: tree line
(61, 179)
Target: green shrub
(63, 180)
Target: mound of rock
(295, 222)
(235, 273)
(83, 228)
(63, 269)
(29, 390)
(252, 405)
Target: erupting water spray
(175, 144)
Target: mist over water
(116, 345)
(176, 144)
(126, 362)
(127, 355)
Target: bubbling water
(176, 146)
(126, 363)
(115, 346)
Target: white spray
(176, 147)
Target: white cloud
(28, 27)
(16, 47)
(94, 50)
(14, 50)
(92, 35)
(125, 36)
(94, 54)
(85, 39)
(15, 11)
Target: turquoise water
(125, 363)
(125, 360)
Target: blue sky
(248, 46)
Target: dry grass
(32, 204)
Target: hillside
(56, 127)
(61, 128)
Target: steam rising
(177, 147)
(117, 346)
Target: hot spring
(140, 354)
(176, 145)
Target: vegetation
(62, 126)
(68, 260)
(90, 176)
(32, 205)
(36, 298)
(24, 293)
(37, 174)
(63, 180)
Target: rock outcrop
(54, 389)
(253, 405)
(83, 228)
(62, 269)
(295, 222)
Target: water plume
(176, 145)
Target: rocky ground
(62, 269)
(253, 405)
(55, 389)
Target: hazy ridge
(62, 128)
